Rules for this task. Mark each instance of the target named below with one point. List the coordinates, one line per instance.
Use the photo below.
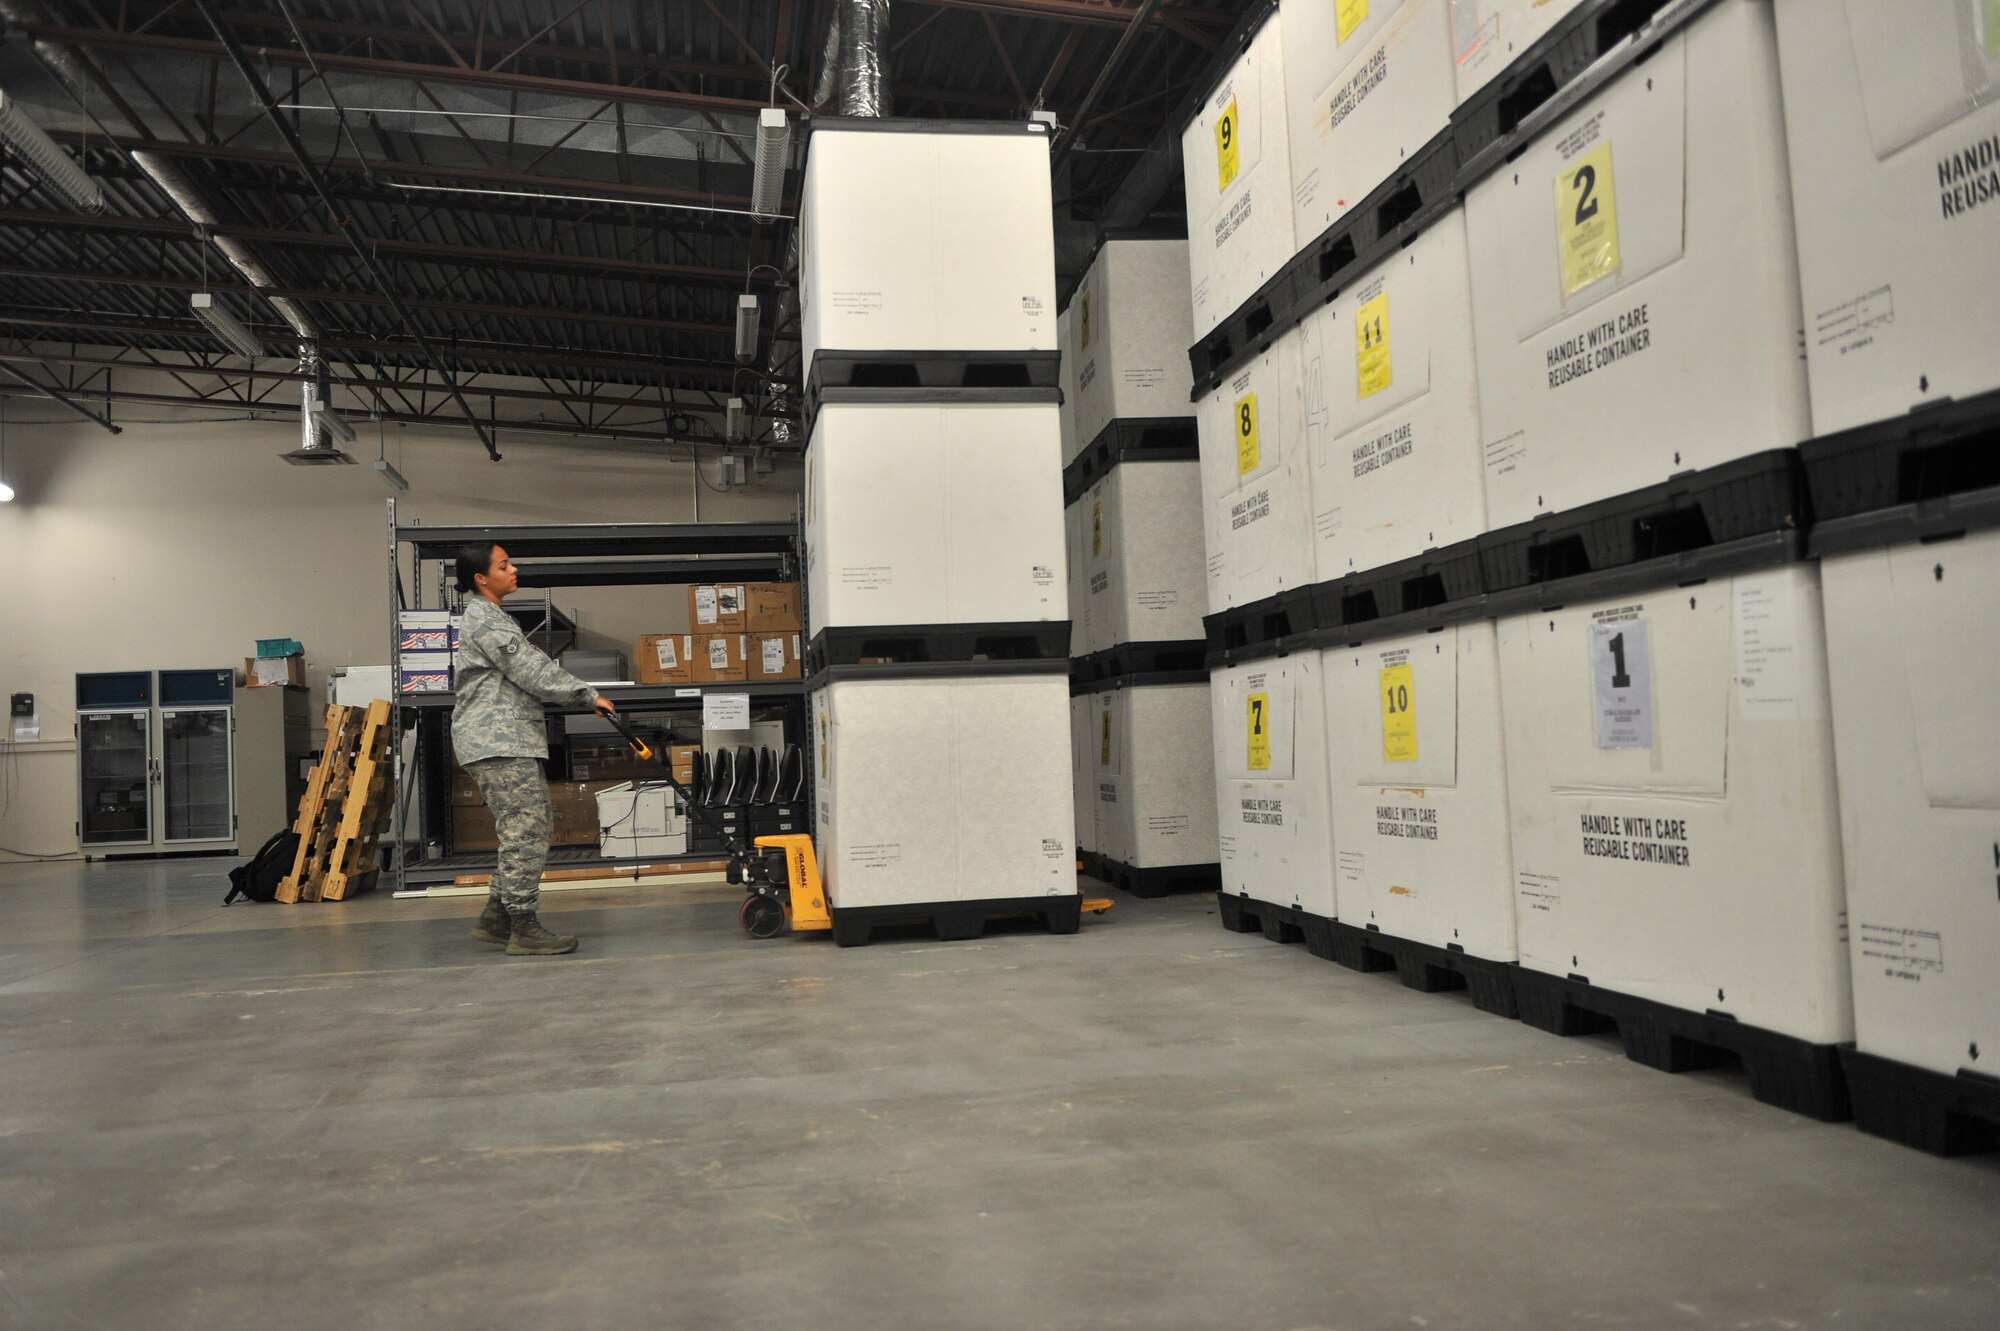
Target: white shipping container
(1132, 325)
(1671, 784)
(944, 788)
(1236, 168)
(1139, 532)
(1893, 112)
(1274, 822)
(1912, 642)
(1074, 535)
(1392, 409)
(1066, 380)
(1419, 789)
(1254, 483)
(926, 235)
(1083, 739)
(1633, 285)
(923, 511)
(1489, 35)
(1366, 85)
(1153, 774)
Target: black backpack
(259, 879)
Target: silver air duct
(173, 182)
(50, 163)
(311, 452)
(855, 63)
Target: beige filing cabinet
(273, 737)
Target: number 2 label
(1587, 220)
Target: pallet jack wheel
(763, 916)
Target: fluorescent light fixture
(746, 328)
(334, 424)
(54, 166)
(227, 328)
(767, 181)
(389, 473)
(735, 420)
(6, 493)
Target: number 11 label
(1587, 220)
(1622, 684)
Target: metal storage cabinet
(156, 762)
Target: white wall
(178, 545)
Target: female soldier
(498, 733)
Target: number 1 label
(1621, 684)
(1587, 220)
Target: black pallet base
(916, 644)
(1280, 924)
(1262, 628)
(1133, 663)
(956, 921)
(1429, 969)
(1160, 879)
(1920, 1108)
(1130, 439)
(1784, 1071)
(934, 369)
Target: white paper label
(718, 654)
(1767, 655)
(774, 656)
(669, 658)
(725, 711)
(1622, 684)
(704, 606)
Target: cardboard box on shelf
(472, 829)
(721, 658)
(773, 656)
(608, 762)
(716, 608)
(272, 671)
(772, 606)
(464, 790)
(681, 756)
(664, 658)
(575, 803)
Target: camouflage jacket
(502, 680)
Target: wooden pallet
(318, 822)
(351, 865)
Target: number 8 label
(1587, 220)
(1246, 434)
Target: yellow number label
(1083, 317)
(1587, 220)
(822, 744)
(1257, 732)
(1992, 17)
(1246, 434)
(1097, 530)
(1347, 16)
(1227, 129)
(1104, 740)
(1371, 346)
(1399, 714)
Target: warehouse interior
(1257, 663)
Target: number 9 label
(1227, 130)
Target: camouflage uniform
(498, 733)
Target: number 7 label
(1587, 220)
(1257, 732)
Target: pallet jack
(779, 873)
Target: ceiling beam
(1083, 12)
(429, 251)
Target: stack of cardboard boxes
(742, 633)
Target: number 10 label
(1622, 684)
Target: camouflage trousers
(524, 820)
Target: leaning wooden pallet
(325, 787)
(351, 866)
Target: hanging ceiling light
(767, 180)
(6, 490)
(55, 167)
(227, 328)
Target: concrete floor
(353, 1116)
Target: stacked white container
(1139, 712)
(934, 526)
(1894, 146)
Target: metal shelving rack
(566, 555)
